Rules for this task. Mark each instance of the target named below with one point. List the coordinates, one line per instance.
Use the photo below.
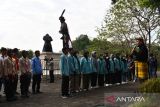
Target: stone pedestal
(48, 55)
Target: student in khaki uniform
(2, 57)
(1, 73)
(25, 70)
(9, 76)
(16, 60)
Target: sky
(23, 23)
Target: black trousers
(112, 77)
(119, 77)
(100, 80)
(25, 82)
(65, 85)
(15, 83)
(9, 84)
(107, 81)
(0, 83)
(36, 82)
(93, 79)
(86, 81)
(51, 74)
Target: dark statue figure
(64, 31)
(47, 45)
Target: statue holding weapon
(64, 31)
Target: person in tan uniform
(25, 70)
(2, 57)
(1, 73)
(9, 76)
(16, 60)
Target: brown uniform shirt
(24, 65)
(9, 67)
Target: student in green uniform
(111, 69)
(85, 65)
(101, 70)
(94, 65)
(64, 67)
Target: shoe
(64, 96)
(39, 92)
(33, 92)
(117, 83)
(29, 92)
(84, 89)
(12, 99)
(23, 96)
(106, 85)
(77, 91)
(27, 96)
(16, 93)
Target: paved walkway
(51, 96)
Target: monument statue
(64, 31)
(47, 44)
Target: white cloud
(23, 23)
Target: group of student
(85, 72)
(79, 73)
(10, 68)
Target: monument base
(45, 64)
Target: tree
(127, 19)
(114, 1)
(81, 43)
(153, 4)
(99, 45)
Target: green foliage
(150, 86)
(81, 43)
(150, 3)
(114, 1)
(151, 93)
(151, 101)
(101, 46)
